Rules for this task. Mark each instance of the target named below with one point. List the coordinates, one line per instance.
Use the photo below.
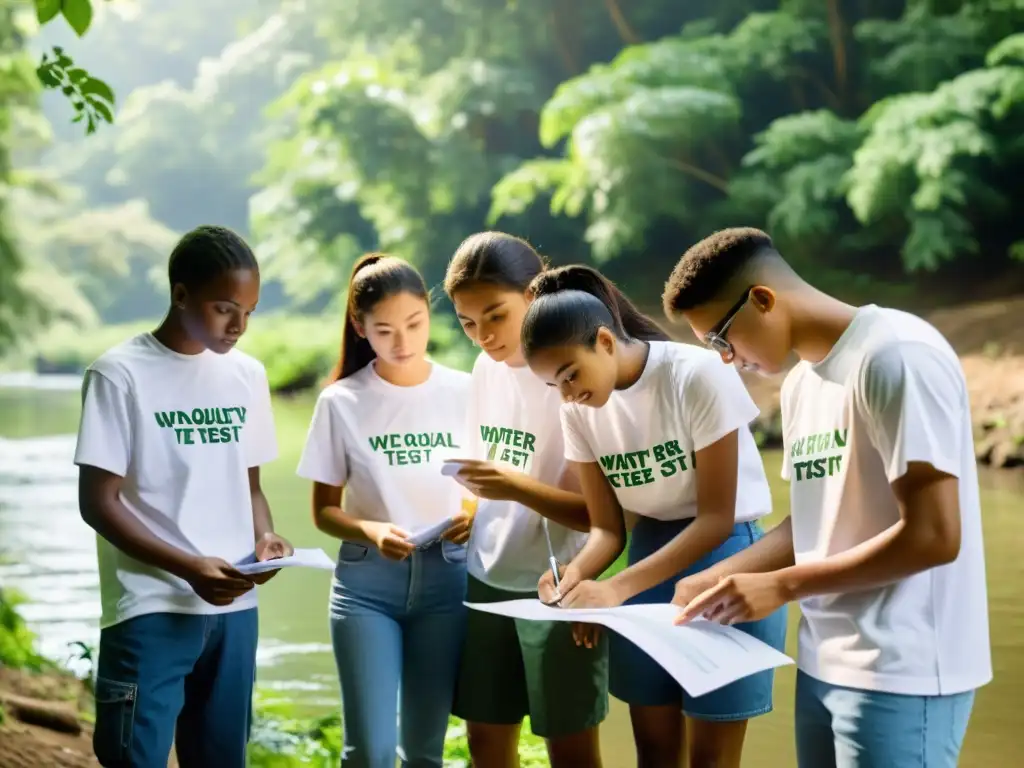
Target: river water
(48, 553)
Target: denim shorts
(638, 680)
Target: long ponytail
(375, 277)
(570, 304)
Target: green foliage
(922, 161)
(17, 643)
(91, 98)
(280, 739)
(658, 135)
(297, 350)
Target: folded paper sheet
(303, 558)
(430, 533)
(702, 656)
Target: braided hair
(206, 253)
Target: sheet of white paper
(303, 558)
(450, 468)
(702, 656)
(430, 533)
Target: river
(48, 553)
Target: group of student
(581, 421)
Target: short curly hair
(708, 267)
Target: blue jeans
(398, 629)
(838, 727)
(171, 677)
(638, 680)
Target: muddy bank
(996, 389)
(42, 722)
(45, 721)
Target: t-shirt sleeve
(576, 447)
(258, 435)
(323, 457)
(105, 427)
(716, 400)
(913, 398)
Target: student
(381, 432)
(529, 507)
(883, 547)
(175, 426)
(660, 429)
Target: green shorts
(512, 668)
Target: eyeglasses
(715, 338)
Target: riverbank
(298, 351)
(989, 337)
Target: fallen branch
(45, 714)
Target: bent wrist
(183, 565)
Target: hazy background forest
(880, 142)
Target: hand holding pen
(557, 581)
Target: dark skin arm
(926, 536)
(269, 546)
(607, 534)
(213, 579)
(717, 467)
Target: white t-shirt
(513, 419)
(890, 392)
(646, 436)
(183, 431)
(385, 444)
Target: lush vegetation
(876, 140)
(280, 740)
(17, 642)
(297, 350)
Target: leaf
(93, 86)
(47, 10)
(101, 108)
(78, 14)
(48, 76)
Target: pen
(552, 561)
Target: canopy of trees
(873, 137)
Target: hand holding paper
(486, 479)
(430, 533)
(300, 558)
(271, 546)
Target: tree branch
(837, 37)
(565, 50)
(626, 32)
(833, 100)
(700, 174)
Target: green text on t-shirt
(633, 468)
(404, 448)
(204, 425)
(818, 455)
(510, 446)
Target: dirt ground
(34, 746)
(57, 699)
